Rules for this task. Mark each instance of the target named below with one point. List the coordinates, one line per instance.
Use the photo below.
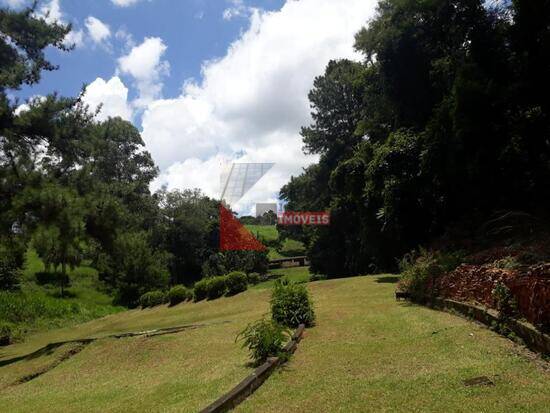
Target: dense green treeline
(77, 189)
(444, 122)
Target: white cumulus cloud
(98, 31)
(51, 12)
(250, 103)
(75, 37)
(112, 95)
(124, 3)
(144, 63)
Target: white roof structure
(239, 178)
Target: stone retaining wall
(533, 339)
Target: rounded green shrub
(6, 333)
(200, 290)
(179, 294)
(291, 304)
(216, 287)
(152, 299)
(236, 282)
(210, 288)
(253, 278)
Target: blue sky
(193, 30)
(207, 82)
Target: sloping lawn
(173, 372)
(294, 274)
(269, 232)
(369, 353)
(289, 247)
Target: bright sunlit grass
(366, 353)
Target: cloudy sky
(207, 82)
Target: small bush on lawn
(152, 299)
(317, 277)
(200, 290)
(216, 287)
(6, 333)
(264, 338)
(507, 263)
(179, 294)
(210, 287)
(253, 278)
(236, 282)
(291, 304)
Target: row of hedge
(208, 288)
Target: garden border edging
(249, 385)
(533, 339)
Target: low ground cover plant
(505, 302)
(253, 278)
(152, 299)
(179, 294)
(264, 338)
(291, 304)
(236, 282)
(317, 277)
(420, 270)
(31, 309)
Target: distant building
(262, 208)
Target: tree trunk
(63, 274)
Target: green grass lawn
(289, 247)
(177, 372)
(369, 353)
(268, 232)
(366, 353)
(294, 274)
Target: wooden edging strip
(533, 339)
(246, 387)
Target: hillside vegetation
(442, 127)
(39, 307)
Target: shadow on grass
(387, 280)
(49, 348)
(44, 351)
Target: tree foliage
(445, 119)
